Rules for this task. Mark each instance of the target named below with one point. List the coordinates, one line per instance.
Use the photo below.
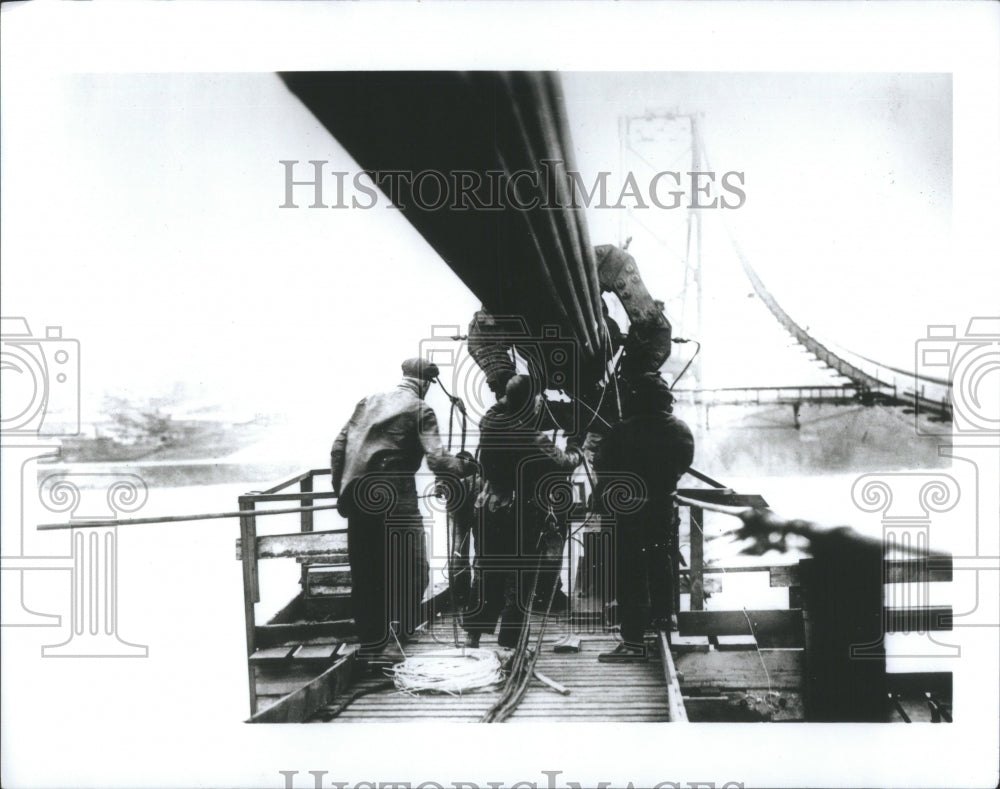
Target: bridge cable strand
(690, 361)
(864, 381)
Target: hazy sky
(847, 213)
(146, 223)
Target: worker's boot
(625, 653)
(472, 640)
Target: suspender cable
(457, 404)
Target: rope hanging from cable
(523, 662)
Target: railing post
(306, 486)
(251, 590)
(676, 555)
(696, 518)
(842, 612)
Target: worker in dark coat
(373, 461)
(519, 463)
(643, 456)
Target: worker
(518, 528)
(373, 462)
(645, 455)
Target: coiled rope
(451, 671)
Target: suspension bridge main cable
(836, 362)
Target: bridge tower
(667, 243)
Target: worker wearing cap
(373, 462)
(517, 461)
(642, 456)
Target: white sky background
(171, 260)
(144, 219)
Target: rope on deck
(451, 671)
(524, 660)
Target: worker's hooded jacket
(385, 441)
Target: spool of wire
(451, 671)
